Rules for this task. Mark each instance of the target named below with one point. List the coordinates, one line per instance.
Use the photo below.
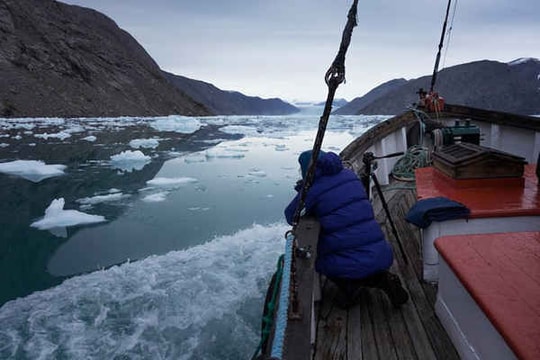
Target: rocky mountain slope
(355, 105)
(511, 87)
(64, 60)
(229, 102)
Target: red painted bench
(501, 272)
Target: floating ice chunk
(102, 198)
(257, 173)
(176, 123)
(239, 129)
(157, 197)
(240, 148)
(4, 145)
(17, 137)
(281, 147)
(195, 158)
(129, 160)
(32, 170)
(212, 141)
(144, 143)
(197, 208)
(221, 152)
(162, 181)
(62, 135)
(57, 217)
(90, 138)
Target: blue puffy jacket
(351, 243)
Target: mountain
(337, 103)
(511, 87)
(359, 103)
(69, 61)
(65, 60)
(228, 102)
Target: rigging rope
(333, 77)
(438, 58)
(449, 33)
(288, 293)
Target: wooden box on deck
(470, 161)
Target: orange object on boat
(434, 102)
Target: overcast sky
(282, 48)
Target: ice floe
(157, 197)
(176, 123)
(257, 173)
(102, 198)
(56, 217)
(129, 160)
(194, 158)
(163, 181)
(90, 138)
(198, 208)
(223, 152)
(33, 170)
(62, 135)
(144, 143)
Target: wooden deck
(374, 329)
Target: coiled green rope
(415, 157)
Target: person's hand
(299, 185)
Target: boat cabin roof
(500, 272)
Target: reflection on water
(196, 232)
(26, 251)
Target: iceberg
(33, 170)
(144, 143)
(129, 160)
(56, 217)
(176, 123)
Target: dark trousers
(349, 287)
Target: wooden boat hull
(374, 329)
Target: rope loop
(334, 76)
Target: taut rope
(289, 289)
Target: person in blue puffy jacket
(352, 250)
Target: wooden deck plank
(381, 329)
(421, 294)
(398, 329)
(369, 345)
(333, 328)
(354, 334)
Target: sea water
(187, 226)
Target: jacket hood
(328, 163)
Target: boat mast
(436, 68)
